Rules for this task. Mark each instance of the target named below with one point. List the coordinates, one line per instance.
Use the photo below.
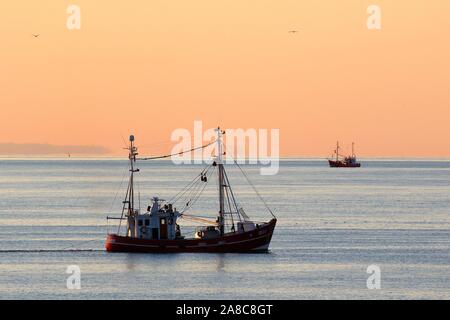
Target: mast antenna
(337, 151)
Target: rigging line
(139, 194)
(115, 196)
(194, 215)
(256, 191)
(194, 187)
(193, 192)
(192, 202)
(199, 192)
(177, 196)
(180, 194)
(123, 207)
(199, 185)
(232, 196)
(189, 217)
(179, 153)
(229, 205)
(251, 184)
(118, 189)
(123, 140)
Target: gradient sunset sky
(149, 67)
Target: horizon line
(284, 158)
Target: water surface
(332, 224)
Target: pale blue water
(332, 224)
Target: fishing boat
(156, 229)
(344, 162)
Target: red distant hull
(341, 164)
(250, 241)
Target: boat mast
(337, 151)
(219, 161)
(353, 149)
(132, 156)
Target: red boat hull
(257, 240)
(340, 164)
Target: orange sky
(149, 67)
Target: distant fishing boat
(344, 162)
(156, 230)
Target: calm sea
(332, 225)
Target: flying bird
(293, 31)
(35, 35)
